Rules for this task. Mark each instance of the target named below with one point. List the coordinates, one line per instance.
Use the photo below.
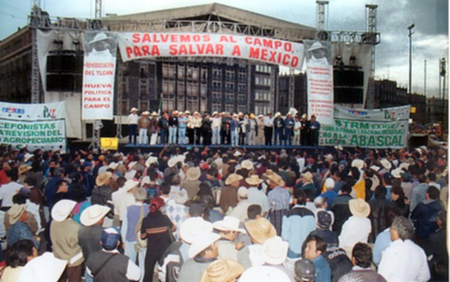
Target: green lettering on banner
(370, 134)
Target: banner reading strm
(138, 45)
(98, 75)
(386, 128)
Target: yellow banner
(110, 143)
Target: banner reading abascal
(37, 126)
(98, 75)
(319, 72)
(139, 45)
(386, 128)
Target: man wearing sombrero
(318, 55)
(101, 46)
(133, 123)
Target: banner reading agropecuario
(98, 75)
(385, 128)
(37, 126)
(138, 45)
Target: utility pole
(410, 27)
(425, 78)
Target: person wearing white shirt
(297, 126)
(216, 124)
(403, 260)
(117, 195)
(7, 191)
(268, 129)
(132, 125)
(127, 197)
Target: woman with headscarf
(156, 228)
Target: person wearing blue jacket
(425, 214)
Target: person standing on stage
(241, 129)
(268, 129)
(173, 126)
(297, 126)
(260, 134)
(206, 130)
(279, 126)
(304, 130)
(163, 127)
(182, 123)
(314, 127)
(197, 121)
(190, 127)
(153, 128)
(143, 124)
(234, 130)
(288, 129)
(252, 129)
(225, 131)
(216, 124)
(132, 125)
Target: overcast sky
(430, 38)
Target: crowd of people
(222, 129)
(225, 215)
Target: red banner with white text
(138, 45)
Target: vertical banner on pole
(100, 52)
(319, 72)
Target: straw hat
(62, 209)
(192, 227)
(133, 110)
(264, 274)
(193, 173)
(329, 183)
(278, 114)
(146, 113)
(24, 168)
(131, 165)
(276, 178)
(91, 215)
(214, 113)
(130, 184)
(102, 178)
(307, 176)
(151, 160)
(386, 164)
(187, 112)
(247, 164)
(233, 178)
(43, 268)
(222, 270)
(15, 212)
(359, 208)
(275, 250)
(201, 242)
(229, 223)
(260, 229)
(254, 180)
(358, 163)
(237, 154)
(181, 197)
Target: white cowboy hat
(359, 208)
(386, 164)
(358, 163)
(193, 173)
(222, 270)
(151, 160)
(173, 161)
(28, 156)
(131, 165)
(181, 197)
(215, 113)
(147, 113)
(247, 164)
(375, 168)
(15, 212)
(316, 46)
(130, 184)
(43, 268)
(404, 166)
(254, 180)
(274, 250)
(201, 242)
(278, 114)
(62, 209)
(113, 165)
(145, 180)
(133, 110)
(396, 173)
(237, 154)
(242, 192)
(229, 223)
(192, 227)
(154, 113)
(91, 215)
(329, 183)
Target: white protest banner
(37, 126)
(139, 45)
(383, 128)
(98, 75)
(319, 72)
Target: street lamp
(410, 27)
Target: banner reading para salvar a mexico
(98, 75)
(138, 45)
